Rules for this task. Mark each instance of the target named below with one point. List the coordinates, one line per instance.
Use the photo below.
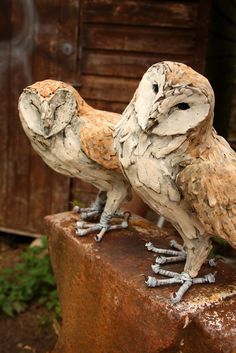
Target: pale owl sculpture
(76, 140)
(181, 168)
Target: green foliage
(31, 278)
(77, 203)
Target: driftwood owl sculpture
(76, 140)
(181, 168)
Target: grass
(31, 278)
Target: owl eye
(183, 106)
(56, 111)
(155, 88)
(34, 106)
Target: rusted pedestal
(107, 308)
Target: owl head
(47, 107)
(172, 99)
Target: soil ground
(33, 330)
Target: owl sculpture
(181, 168)
(76, 140)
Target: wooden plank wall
(120, 39)
(221, 65)
(34, 51)
(5, 37)
(101, 47)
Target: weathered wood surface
(5, 35)
(176, 162)
(221, 60)
(30, 52)
(150, 13)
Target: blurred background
(102, 48)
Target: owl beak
(46, 131)
(45, 120)
(151, 124)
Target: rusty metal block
(107, 308)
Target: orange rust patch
(48, 87)
(97, 137)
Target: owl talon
(183, 278)
(178, 255)
(89, 214)
(83, 228)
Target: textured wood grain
(121, 64)
(107, 89)
(175, 160)
(5, 34)
(152, 13)
(164, 41)
(97, 138)
(17, 145)
(210, 189)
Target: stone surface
(107, 308)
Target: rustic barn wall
(102, 47)
(221, 65)
(32, 49)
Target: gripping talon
(161, 260)
(100, 235)
(151, 282)
(149, 246)
(177, 296)
(155, 268)
(80, 224)
(212, 262)
(177, 246)
(81, 232)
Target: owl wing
(96, 137)
(210, 190)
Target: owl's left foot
(183, 278)
(103, 226)
(89, 213)
(177, 255)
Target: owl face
(172, 99)
(46, 116)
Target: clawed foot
(175, 277)
(176, 255)
(83, 228)
(87, 213)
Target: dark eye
(183, 106)
(34, 106)
(155, 88)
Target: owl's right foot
(183, 278)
